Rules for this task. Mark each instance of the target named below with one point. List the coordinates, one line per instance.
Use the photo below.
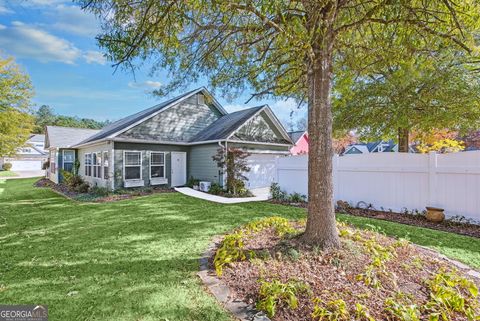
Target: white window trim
(103, 163)
(63, 157)
(141, 165)
(164, 165)
(98, 167)
(89, 164)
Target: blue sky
(54, 41)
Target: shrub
(99, 191)
(232, 248)
(402, 312)
(297, 198)
(274, 292)
(279, 224)
(277, 193)
(452, 293)
(193, 182)
(230, 251)
(82, 188)
(70, 179)
(7, 166)
(234, 160)
(332, 311)
(216, 189)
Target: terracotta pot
(435, 214)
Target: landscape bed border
(247, 312)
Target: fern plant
(275, 292)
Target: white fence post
(432, 179)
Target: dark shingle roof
(224, 126)
(295, 136)
(130, 120)
(63, 137)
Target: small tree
(15, 94)
(233, 160)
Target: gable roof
(223, 127)
(125, 123)
(37, 138)
(64, 137)
(296, 135)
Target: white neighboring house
(29, 157)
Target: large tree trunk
(321, 225)
(403, 140)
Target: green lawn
(134, 259)
(7, 174)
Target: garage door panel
(26, 165)
(262, 170)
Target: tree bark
(321, 227)
(403, 137)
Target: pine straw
(333, 274)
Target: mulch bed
(449, 225)
(88, 197)
(332, 274)
(418, 220)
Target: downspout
(224, 172)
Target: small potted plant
(435, 214)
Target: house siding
(259, 129)
(201, 164)
(178, 123)
(120, 148)
(95, 181)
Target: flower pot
(435, 214)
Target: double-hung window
(97, 161)
(68, 160)
(105, 165)
(157, 165)
(88, 164)
(132, 165)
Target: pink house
(300, 138)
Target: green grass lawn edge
(137, 259)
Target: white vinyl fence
(397, 181)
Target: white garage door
(32, 165)
(262, 170)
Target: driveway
(26, 174)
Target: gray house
(169, 142)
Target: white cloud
(92, 57)
(44, 3)
(148, 84)
(5, 10)
(2, 27)
(31, 42)
(74, 20)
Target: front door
(179, 168)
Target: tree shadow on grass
(128, 260)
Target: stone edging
(461, 266)
(247, 312)
(240, 309)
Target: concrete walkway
(261, 194)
